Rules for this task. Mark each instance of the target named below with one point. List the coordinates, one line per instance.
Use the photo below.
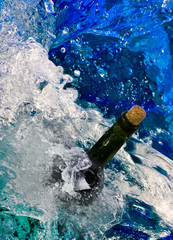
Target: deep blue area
(125, 232)
(104, 74)
(114, 79)
(123, 50)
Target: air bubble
(49, 6)
(63, 50)
(77, 73)
(130, 71)
(65, 31)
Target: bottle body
(89, 182)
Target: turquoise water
(67, 71)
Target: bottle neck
(113, 139)
(127, 128)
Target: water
(68, 69)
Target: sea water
(67, 71)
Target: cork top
(135, 115)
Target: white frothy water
(37, 125)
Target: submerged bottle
(106, 147)
(89, 182)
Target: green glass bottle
(107, 146)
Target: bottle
(106, 147)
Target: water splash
(41, 124)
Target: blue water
(68, 69)
(120, 44)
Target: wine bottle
(106, 147)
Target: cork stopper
(135, 115)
